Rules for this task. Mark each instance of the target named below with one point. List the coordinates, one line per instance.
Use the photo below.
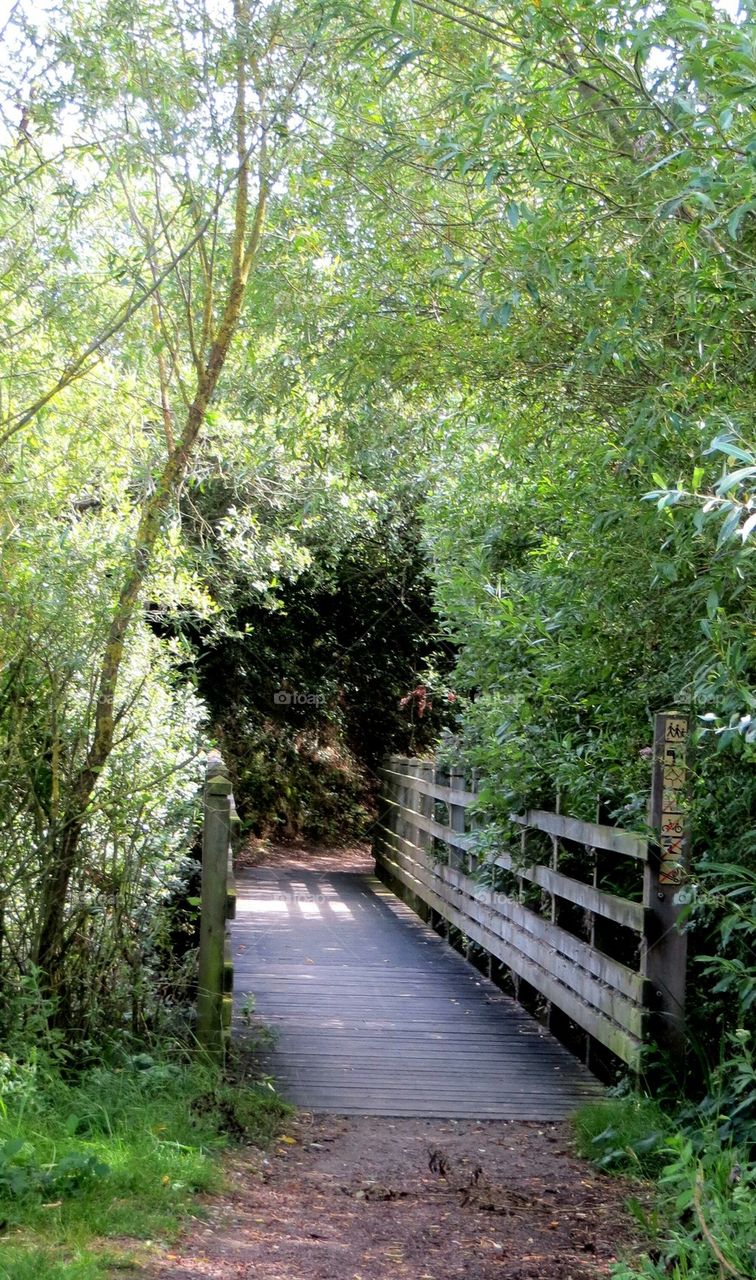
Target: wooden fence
(571, 910)
(218, 905)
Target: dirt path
(370, 1198)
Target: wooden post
(665, 946)
(216, 833)
(457, 817)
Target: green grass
(118, 1154)
(624, 1135)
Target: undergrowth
(700, 1222)
(91, 1165)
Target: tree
(167, 132)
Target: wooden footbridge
(372, 1013)
(358, 1005)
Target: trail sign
(664, 960)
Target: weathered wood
(228, 965)
(539, 945)
(418, 820)
(437, 790)
(374, 1014)
(215, 978)
(620, 910)
(230, 885)
(614, 1037)
(601, 994)
(593, 835)
(603, 967)
(665, 945)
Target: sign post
(665, 890)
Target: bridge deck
(374, 1014)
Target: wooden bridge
(372, 1013)
(359, 1006)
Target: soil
(300, 856)
(366, 1198)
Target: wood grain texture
(374, 1014)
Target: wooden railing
(569, 909)
(218, 905)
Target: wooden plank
(623, 1044)
(457, 839)
(619, 910)
(594, 835)
(612, 972)
(436, 790)
(466, 909)
(375, 1014)
(508, 951)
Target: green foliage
(320, 662)
(119, 1151)
(703, 1225)
(699, 1218)
(624, 1134)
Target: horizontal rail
(594, 835)
(610, 986)
(608, 905)
(582, 1000)
(598, 991)
(599, 901)
(436, 790)
(458, 839)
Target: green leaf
(736, 217)
(664, 161)
(410, 56)
(728, 527)
(725, 444)
(734, 478)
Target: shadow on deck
(374, 1014)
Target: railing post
(216, 831)
(665, 946)
(457, 819)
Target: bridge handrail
(562, 942)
